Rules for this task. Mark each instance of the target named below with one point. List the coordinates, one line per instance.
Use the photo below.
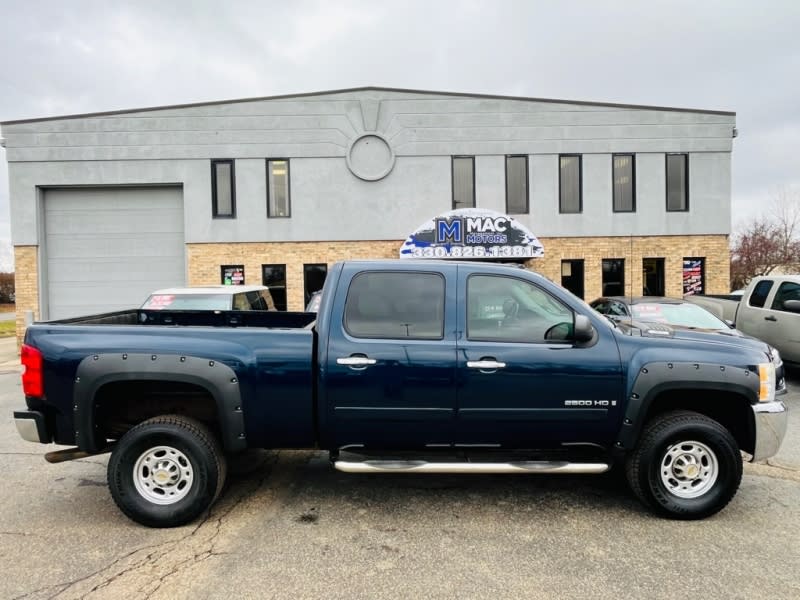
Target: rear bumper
(31, 426)
(770, 420)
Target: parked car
(215, 297)
(642, 312)
(769, 310)
(314, 302)
(410, 368)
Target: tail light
(32, 376)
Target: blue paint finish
(418, 392)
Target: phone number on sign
(474, 252)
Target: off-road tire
(646, 463)
(195, 442)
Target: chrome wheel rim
(689, 469)
(163, 475)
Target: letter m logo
(449, 231)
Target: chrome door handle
(485, 364)
(355, 361)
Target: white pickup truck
(769, 310)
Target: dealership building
(602, 198)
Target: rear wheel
(166, 471)
(686, 466)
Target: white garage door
(107, 248)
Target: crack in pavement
(158, 562)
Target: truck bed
(271, 356)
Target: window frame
(222, 274)
(685, 156)
(214, 200)
(527, 184)
(288, 214)
(763, 305)
(285, 286)
(561, 210)
(441, 277)
(602, 273)
(543, 342)
(453, 181)
(614, 208)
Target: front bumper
(770, 420)
(31, 426)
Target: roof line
(367, 89)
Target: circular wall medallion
(370, 157)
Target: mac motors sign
(472, 233)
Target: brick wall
(205, 259)
(26, 285)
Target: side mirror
(583, 329)
(792, 305)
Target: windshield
(188, 302)
(682, 315)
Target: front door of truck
(522, 382)
(390, 366)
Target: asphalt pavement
(289, 526)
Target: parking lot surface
(289, 526)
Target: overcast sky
(82, 56)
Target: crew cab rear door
(390, 366)
(523, 383)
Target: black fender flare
(656, 378)
(217, 378)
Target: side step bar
(421, 466)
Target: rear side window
(759, 296)
(396, 305)
(789, 290)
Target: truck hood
(664, 331)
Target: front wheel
(686, 466)
(166, 471)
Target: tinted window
(624, 183)
(396, 305)
(274, 277)
(788, 290)
(569, 184)
(516, 185)
(313, 279)
(677, 182)
(511, 310)
(256, 301)
(223, 189)
(759, 296)
(463, 182)
(613, 276)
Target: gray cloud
(81, 56)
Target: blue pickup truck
(408, 367)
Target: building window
(313, 279)
(463, 182)
(516, 185)
(677, 182)
(232, 274)
(223, 189)
(613, 277)
(572, 276)
(624, 183)
(570, 184)
(278, 203)
(274, 277)
(652, 277)
(694, 276)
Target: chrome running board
(421, 466)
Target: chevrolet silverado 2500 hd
(408, 367)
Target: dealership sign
(472, 233)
